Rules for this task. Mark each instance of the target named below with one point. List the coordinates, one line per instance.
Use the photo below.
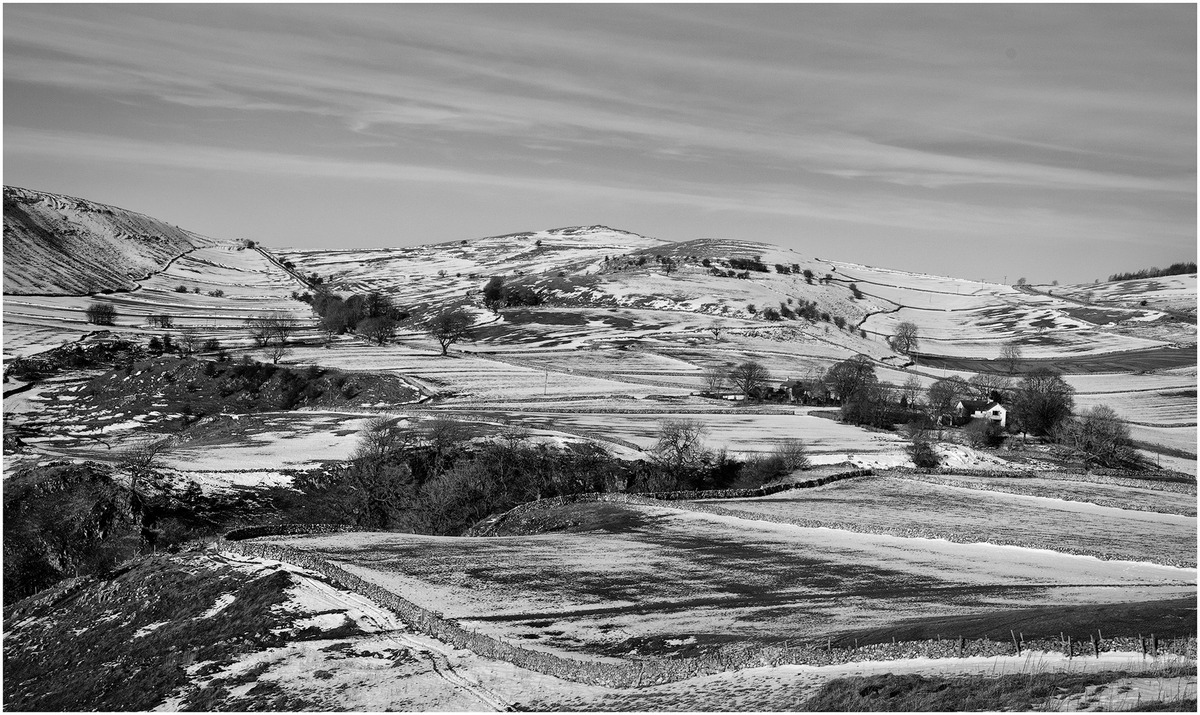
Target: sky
(1051, 142)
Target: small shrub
(181, 288)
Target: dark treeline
(1174, 269)
(441, 479)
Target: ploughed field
(620, 581)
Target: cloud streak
(837, 114)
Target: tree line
(1175, 269)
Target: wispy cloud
(887, 116)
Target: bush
(920, 448)
(101, 313)
(181, 288)
(217, 293)
(985, 433)
(1100, 438)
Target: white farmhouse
(970, 409)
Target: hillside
(62, 245)
(125, 458)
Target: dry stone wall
(647, 672)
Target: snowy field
(468, 377)
(681, 577)
(1167, 292)
(252, 286)
(892, 505)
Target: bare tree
(911, 390)
(380, 438)
(680, 446)
(1099, 437)
(141, 459)
(1010, 357)
(189, 340)
(272, 332)
(716, 379)
(792, 453)
(986, 383)
(267, 328)
(749, 378)
(449, 327)
(906, 340)
(945, 394)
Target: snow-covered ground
(252, 285)
(578, 594)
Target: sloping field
(890, 505)
(649, 582)
(467, 377)
(1181, 438)
(63, 245)
(1167, 409)
(1176, 293)
(421, 275)
(980, 332)
(749, 433)
(251, 284)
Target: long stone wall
(640, 673)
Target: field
(652, 582)
(251, 284)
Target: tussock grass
(83, 645)
(983, 692)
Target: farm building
(972, 409)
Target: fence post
(1016, 644)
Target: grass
(94, 630)
(1013, 692)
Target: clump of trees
(99, 313)
(372, 315)
(749, 264)
(497, 294)
(1042, 400)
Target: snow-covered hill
(62, 245)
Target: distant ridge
(63, 245)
